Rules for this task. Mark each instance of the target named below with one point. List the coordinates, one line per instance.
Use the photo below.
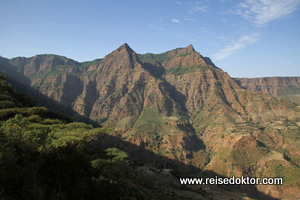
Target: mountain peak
(123, 57)
(190, 48)
(125, 47)
(183, 51)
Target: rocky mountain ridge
(177, 104)
(282, 87)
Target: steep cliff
(283, 87)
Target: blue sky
(246, 38)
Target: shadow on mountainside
(141, 156)
(45, 101)
(138, 155)
(156, 70)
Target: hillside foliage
(44, 157)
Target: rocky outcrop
(283, 87)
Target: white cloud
(179, 2)
(175, 20)
(263, 11)
(199, 8)
(236, 45)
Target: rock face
(179, 105)
(283, 87)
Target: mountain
(45, 155)
(282, 87)
(179, 105)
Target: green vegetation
(41, 111)
(290, 90)
(180, 70)
(57, 161)
(43, 157)
(6, 104)
(186, 54)
(149, 121)
(90, 63)
(289, 173)
(152, 58)
(166, 56)
(9, 98)
(249, 156)
(44, 74)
